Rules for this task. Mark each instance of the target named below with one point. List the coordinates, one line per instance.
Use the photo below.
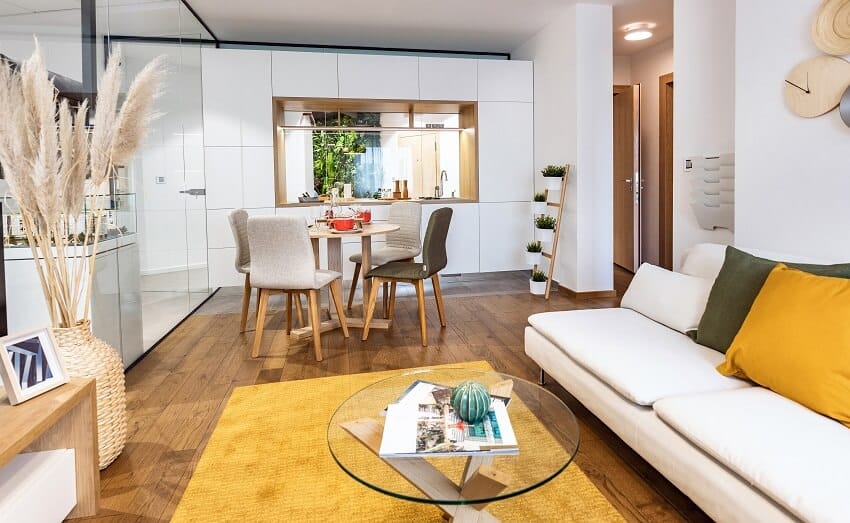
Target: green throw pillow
(735, 289)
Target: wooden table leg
(334, 264)
(366, 253)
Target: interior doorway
(665, 171)
(627, 177)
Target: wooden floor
(178, 391)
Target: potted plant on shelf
(553, 175)
(534, 253)
(537, 283)
(538, 206)
(56, 165)
(545, 226)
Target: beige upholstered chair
(239, 227)
(402, 245)
(282, 260)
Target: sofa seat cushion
(795, 456)
(642, 360)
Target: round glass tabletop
(547, 436)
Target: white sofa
(740, 452)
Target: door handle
(195, 192)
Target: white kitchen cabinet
(505, 81)
(462, 241)
(130, 304)
(453, 79)
(257, 177)
(222, 268)
(505, 229)
(304, 74)
(237, 97)
(221, 106)
(223, 166)
(505, 151)
(378, 77)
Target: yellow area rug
(268, 460)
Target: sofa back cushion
(736, 287)
(706, 259)
(670, 298)
(796, 341)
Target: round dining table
(334, 240)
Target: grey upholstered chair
(239, 227)
(402, 245)
(434, 259)
(282, 260)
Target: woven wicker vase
(88, 357)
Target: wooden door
(665, 175)
(627, 179)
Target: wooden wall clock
(815, 86)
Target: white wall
(646, 67)
(704, 114)
(792, 174)
(622, 70)
(573, 75)
(58, 35)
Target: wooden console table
(64, 418)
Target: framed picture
(30, 365)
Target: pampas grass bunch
(52, 162)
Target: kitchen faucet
(444, 177)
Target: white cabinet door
(306, 75)
(505, 229)
(223, 166)
(505, 81)
(253, 81)
(448, 79)
(105, 302)
(258, 177)
(462, 241)
(505, 151)
(130, 298)
(237, 95)
(222, 266)
(379, 77)
(222, 112)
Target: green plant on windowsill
(554, 171)
(545, 221)
(534, 246)
(540, 197)
(538, 276)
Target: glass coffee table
(547, 435)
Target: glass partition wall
(167, 173)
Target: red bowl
(366, 216)
(343, 224)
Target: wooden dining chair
(282, 260)
(238, 220)
(434, 259)
(402, 245)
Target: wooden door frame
(665, 174)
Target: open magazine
(423, 422)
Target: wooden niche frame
(468, 133)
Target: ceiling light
(638, 31)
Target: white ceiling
(659, 12)
(457, 25)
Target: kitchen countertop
(369, 201)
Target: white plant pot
(537, 288)
(544, 236)
(538, 208)
(533, 258)
(552, 183)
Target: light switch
(160, 179)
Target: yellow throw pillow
(796, 341)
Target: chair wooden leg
(370, 308)
(246, 302)
(289, 311)
(420, 297)
(385, 302)
(299, 309)
(317, 325)
(438, 295)
(353, 285)
(336, 295)
(392, 301)
(262, 305)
